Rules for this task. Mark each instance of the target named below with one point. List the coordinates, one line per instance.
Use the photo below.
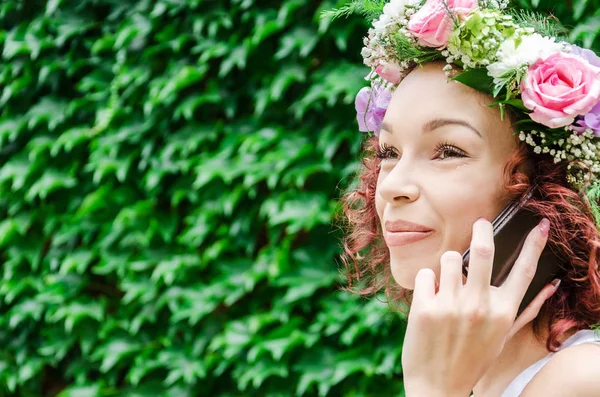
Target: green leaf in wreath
(477, 79)
(528, 122)
(516, 103)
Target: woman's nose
(398, 185)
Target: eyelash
(447, 146)
(384, 151)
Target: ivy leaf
(114, 352)
(49, 182)
(81, 391)
(587, 31)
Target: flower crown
(514, 56)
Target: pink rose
(390, 72)
(432, 24)
(560, 88)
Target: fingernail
(544, 226)
(481, 219)
(556, 283)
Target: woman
(442, 164)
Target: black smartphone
(511, 228)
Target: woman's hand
(454, 335)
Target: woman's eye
(385, 152)
(446, 151)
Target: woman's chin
(405, 271)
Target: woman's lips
(395, 239)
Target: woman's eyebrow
(437, 123)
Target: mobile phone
(511, 228)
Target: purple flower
(589, 121)
(588, 55)
(371, 105)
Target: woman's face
(444, 154)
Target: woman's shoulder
(572, 371)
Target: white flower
(497, 4)
(532, 48)
(395, 8)
(392, 12)
(383, 21)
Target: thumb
(533, 309)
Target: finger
(481, 256)
(533, 309)
(424, 290)
(450, 273)
(525, 266)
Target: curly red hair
(576, 304)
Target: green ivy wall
(169, 171)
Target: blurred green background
(169, 171)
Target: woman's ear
(525, 167)
(519, 167)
